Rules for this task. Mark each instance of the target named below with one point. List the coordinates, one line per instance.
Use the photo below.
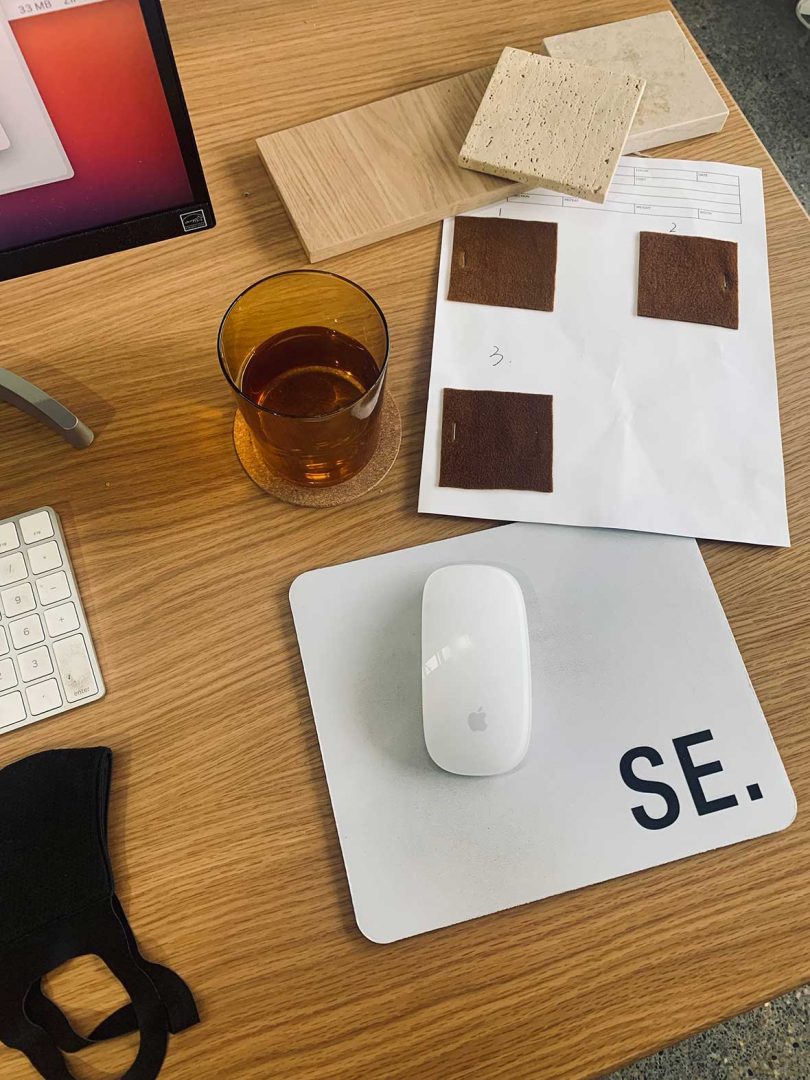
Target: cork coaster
(560, 124)
(504, 262)
(337, 494)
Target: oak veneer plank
(385, 168)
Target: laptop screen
(88, 137)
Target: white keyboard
(47, 661)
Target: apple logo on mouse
(477, 720)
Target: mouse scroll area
(476, 673)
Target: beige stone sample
(680, 100)
(559, 124)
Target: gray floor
(772, 1041)
(763, 55)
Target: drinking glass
(306, 353)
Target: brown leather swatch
(688, 278)
(495, 439)
(504, 262)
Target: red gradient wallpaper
(95, 71)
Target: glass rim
(288, 273)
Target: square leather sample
(504, 262)
(493, 439)
(688, 278)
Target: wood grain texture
(383, 169)
(221, 830)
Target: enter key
(74, 667)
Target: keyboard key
(36, 527)
(47, 663)
(74, 667)
(44, 557)
(12, 710)
(8, 676)
(35, 664)
(53, 587)
(18, 601)
(43, 697)
(12, 568)
(60, 620)
(27, 631)
(9, 540)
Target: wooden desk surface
(223, 840)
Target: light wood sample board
(223, 840)
(382, 169)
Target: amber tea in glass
(306, 353)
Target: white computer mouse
(476, 674)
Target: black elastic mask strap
(175, 996)
(94, 931)
(181, 1012)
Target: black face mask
(57, 902)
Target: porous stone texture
(558, 124)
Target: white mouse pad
(648, 741)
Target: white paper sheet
(659, 426)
